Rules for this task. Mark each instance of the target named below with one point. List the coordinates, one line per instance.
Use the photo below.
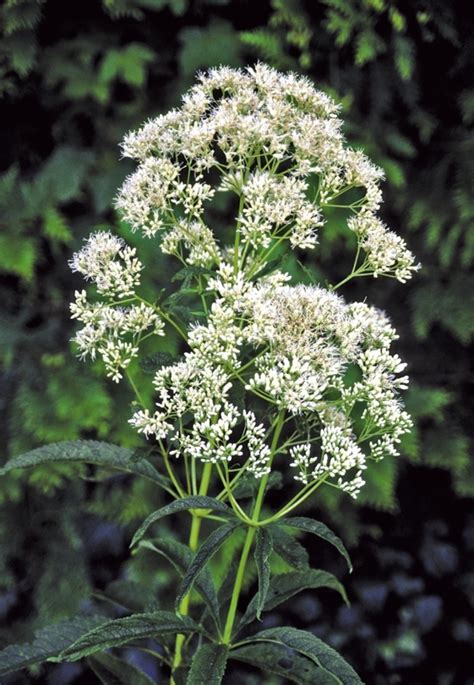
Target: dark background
(74, 77)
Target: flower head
(275, 141)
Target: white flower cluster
(264, 353)
(312, 341)
(385, 251)
(275, 207)
(263, 135)
(193, 409)
(111, 330)
(109, 263)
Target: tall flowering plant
(275, 377)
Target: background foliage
(74, 77)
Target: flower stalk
(196, 522)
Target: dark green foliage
(320, 530)
(48, 642)
(180, 556)
(89, 452)
(289, 549)
(263, 550)
(312, 647)
(202, 557)
(121, 631)
(113, 671)
(208, 665)
(283, 587)
(279, 659)
(185, 504)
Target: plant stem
(135, 389)
(227, 635)
(226, 638)
(171, 473)
(193, 545)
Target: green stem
(295, 502)
(171, 473)
(260, 263)
(226, 638)
(227, 635)
(193, 545)
(135, 389)
(164, 315)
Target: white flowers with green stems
(274, 376)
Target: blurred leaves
(210, 47)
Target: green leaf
(18, 255)
(449, 303)
(55, 226)
(188, 273)
(113, 671)
(278, 659)
(312, 647)
(319, 529)
(206, 551)
(48, 642)
(380, 483)
(124, 630)
(289, 549)
(283, 587)
(128, 63)
(368, 45)
(181, 557)
(266, 45)
(208, 665)
(185, 504)
(63, 174)
(89, 452)
(404, 54)
(263, 550)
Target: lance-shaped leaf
(206, 551)
(313, 648)
(180, 557)
(124, 630)
(288, 548)
(114, 671)
(263, 550)
(278, 659)
(208, 665)
(48, 642)
(286, 585)
(87, 452)
(319, 529)
(185, 504)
